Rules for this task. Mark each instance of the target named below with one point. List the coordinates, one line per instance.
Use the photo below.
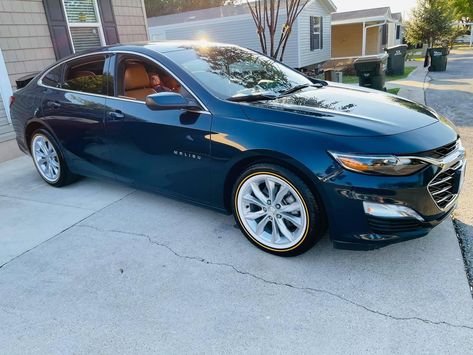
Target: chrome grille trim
(442, 185)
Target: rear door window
(87, 75)
(54, 77)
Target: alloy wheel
(46, 158)
(272, 211)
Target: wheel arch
(32, 126)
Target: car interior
(87, 77)
(133, 79)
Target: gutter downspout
(363, 49)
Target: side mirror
(169, 101)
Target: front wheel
(277, 211)
(48, 159)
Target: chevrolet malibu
(228, 128)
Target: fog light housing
(390, 211)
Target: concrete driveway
(100, 268)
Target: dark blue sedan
(228, 128)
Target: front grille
(442, 188)
(441, 152)
(390, 226)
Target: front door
(167, 151)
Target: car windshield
(233, 72)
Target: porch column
(363, 48)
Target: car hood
(346, 110)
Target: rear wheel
(48, 159)
(277, 211)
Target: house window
(84, 24)
(398, 32)
(316, 33)
(384, 34)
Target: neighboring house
(308, 46)
(365, 32)
(35, 33)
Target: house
(36, 33)
(365, 32)
(308, 46)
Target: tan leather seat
(171, 83)
(137, 82)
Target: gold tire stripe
(298, 193)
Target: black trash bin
(396, 59)
(438, 59)
(371, 71)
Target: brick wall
(130, 17)
(24, 37)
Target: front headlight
(379, 164)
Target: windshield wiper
(299, 88)
(252, 97)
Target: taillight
(12, 100)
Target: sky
(402, 6)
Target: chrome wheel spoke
(55, 163)
(261, 225)
(275, 237)
(296, 221)
(253, 200)
(255, 215)
(293, 207)
(258, 193)
(286, 232)
(283, 191)
(270, 185)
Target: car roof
(159, 46)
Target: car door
(167, 150)
(73, 107)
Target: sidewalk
(413, 86)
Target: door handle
(53, 104)
(116, 115)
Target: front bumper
(353, 227)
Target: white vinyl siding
(306, 56)
(239, 30)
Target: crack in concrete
(65, 229)
(275, 283)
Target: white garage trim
(5, 86)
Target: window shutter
(108, 21)
(312, 33)
(58, 28)
(321, 32)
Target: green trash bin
(396, 59)
(371, 71)
(438, 59)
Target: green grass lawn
(353, 79)
(394, 91)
